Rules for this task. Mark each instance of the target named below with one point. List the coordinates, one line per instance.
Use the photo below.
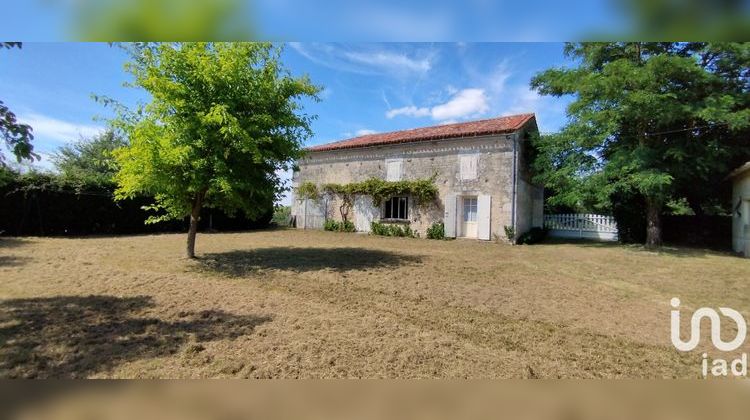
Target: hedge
(67, 211)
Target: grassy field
(297, 304)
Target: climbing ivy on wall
(423, 190)
(308, 190)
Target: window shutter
(468, 166)
(484, 204)
(393, 169)
(449, 219)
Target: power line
(686, 129)
(679, 130)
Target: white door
(469, 213)
(364, 213)
(484, 217)
(449, 219)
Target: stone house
(480, 170)
(741, 209)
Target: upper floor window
(468, 166)
(394, 169)
(396, 208)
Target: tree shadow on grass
(8, 242)
(75, 336)
(13, 261)
(239, 263)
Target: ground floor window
(470, 209)
(396, 208)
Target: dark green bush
(628, 211)
(378, 229)
(436, 231)
(46, 204)
(383, 229)
(533, 236)
(331, 225)
(282, 215)
(346, 226)
(334, 226)
(510, 233)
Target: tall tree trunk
(195, 213)
(653, 223)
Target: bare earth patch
(300, 304)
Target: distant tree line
(78, 198)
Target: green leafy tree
(17, 136)
(223, 119)
(90, 161)
(175, 20)
(653, 119)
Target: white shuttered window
(468, 166)
(394, 169)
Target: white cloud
(463, 104)
(367, 59)
(467, 102)
(409, 111)
(385, 99)
(498, 78)
(43, 164)
(390, 61)
(364, 132)
(524, 100)
(48, 128)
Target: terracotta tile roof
(506, 124)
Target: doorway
(469, 217)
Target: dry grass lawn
(297, 304)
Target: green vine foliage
(308, 190)
(423, 190)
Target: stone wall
(421, 160)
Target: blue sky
(358, 20)
(367, 87)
